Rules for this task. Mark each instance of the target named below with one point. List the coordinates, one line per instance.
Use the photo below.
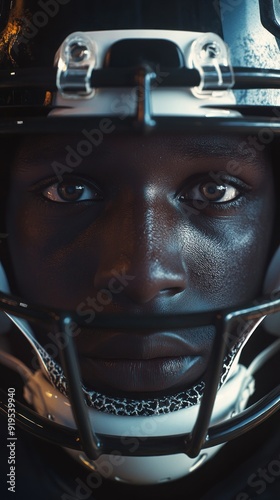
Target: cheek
(228, 264)
(47, 256)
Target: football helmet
(205, 66)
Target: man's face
(140, 226)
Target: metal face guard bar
(45, 78)
(152, 125)
(32, 118)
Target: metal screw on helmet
(210, 51)
(78, 52)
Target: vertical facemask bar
(90, 442)
(144, 77)
(213, 376)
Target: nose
(140, 247)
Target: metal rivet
(210, 51)
(78, 52)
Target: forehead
(127, 151)
(194, 145)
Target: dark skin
(175, 217)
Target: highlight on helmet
(139, 253)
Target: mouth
(140, 364)
(140, 376)
(139, 373)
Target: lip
(126, 364)
(127, 345)
(140, 376)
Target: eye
(210, 191)
(72, 190)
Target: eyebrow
(239, 149)
(193, 147)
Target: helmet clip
(75, 61)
